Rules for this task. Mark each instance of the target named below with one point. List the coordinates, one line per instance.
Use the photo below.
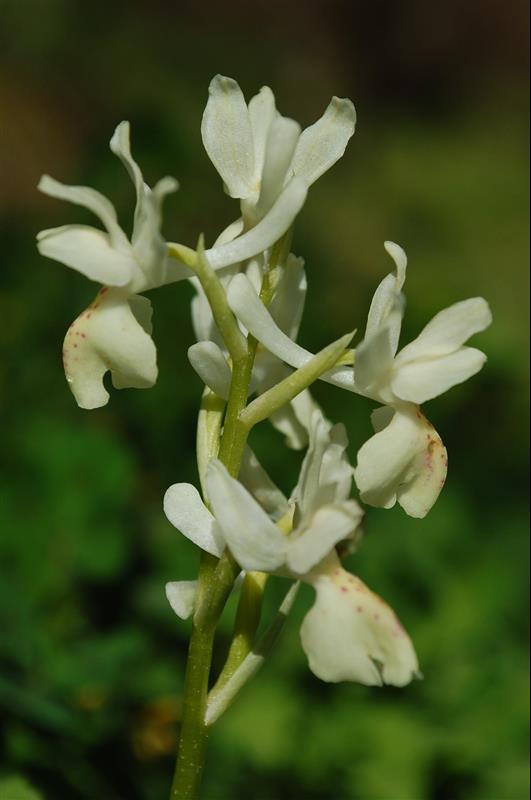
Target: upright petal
(108, 336)
(254, 540)
(308, 483)
(262, 112)
(351, 634)
(227, 136)
(373, 366)
(324, 142)
(259, 484)
(387, 305)
(287, 306)
(89, 252)
(281, 143)
(187, 512)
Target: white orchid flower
(113, 333)
(258, 152)
(405, 460)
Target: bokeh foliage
(91, 656)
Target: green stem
(216, 580)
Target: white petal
(309, 477)
(258, 321)
(281, 143)
(294, 420)
(385, 459)
(405, 460)
(90, 199)
(107, 336)
(187, 512)
(264, 235)
(120, 145)
(142, 310)
(227, 136)
(254, 540)
(202, 318)
(287, 305)
(323, 143)
(428, 474)
(262, 112)
(387, 305)
(257, 481)
(230, 232)
(373, 365)
(88, 251)
(351, 634)
(324, 529)
(419, 381)
(181, 596)
(210, 364)
(448, 330)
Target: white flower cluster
(268, 164)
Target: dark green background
(91, 656)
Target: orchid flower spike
(113, 333)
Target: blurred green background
(92, 657)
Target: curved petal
(404, 460)
(259, 484)
(107, 336)
(428, 475)
(385, 459)
(287, 306)
(187, 512)
(324, 142)
(90, 199)
(230, 232)
(181, 596)
(325, 528)
(256, 318)
(448, 330)
(254, 540)
(308, 483)
(373, 365)
(387, 306)
(419, 381)
(264, 235)
(89, 252)
(351, 634)
(209, 362)
(262, 112)
(293, 420)
(281, 143)
(228, 138)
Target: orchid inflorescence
(249, 298)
